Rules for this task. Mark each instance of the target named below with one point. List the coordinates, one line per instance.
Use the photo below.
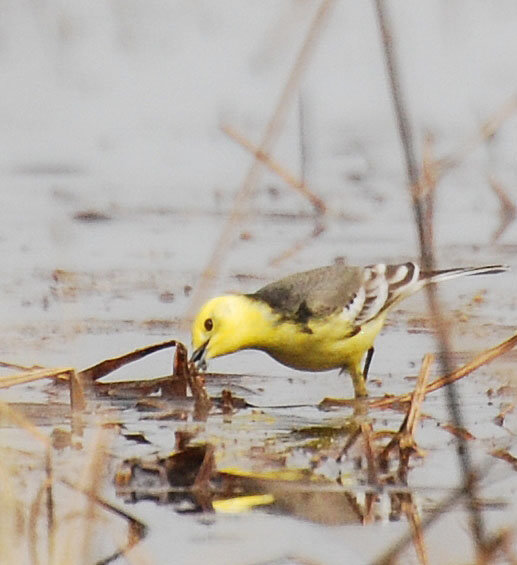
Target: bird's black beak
(198, 357)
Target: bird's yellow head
(223, 325)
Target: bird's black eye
(209, 324)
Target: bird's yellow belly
(328, 345)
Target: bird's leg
(356, 372)
(359, 381)
(367, 361)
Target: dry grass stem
(107, 366)
(419, 395)
(34, 375)
(298, 184)
(404, 439)
(482, 359)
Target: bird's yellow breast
(321, 344)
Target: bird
(316, 320)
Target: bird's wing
(384, 286)
(314, 293)
(359, 293)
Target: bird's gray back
(318, 292)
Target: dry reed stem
(426, 252)
(404, 439)
(482, 359)
(77, 400)
(107, 366)
(34, 375)
(418, 396)
(270, 135)
(298, 184)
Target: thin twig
(419, 395)
(34, 375)
(298, 184)
(404, 439)
(482, 359)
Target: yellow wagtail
(321, 319)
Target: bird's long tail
(386, 285)
(439, 276)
